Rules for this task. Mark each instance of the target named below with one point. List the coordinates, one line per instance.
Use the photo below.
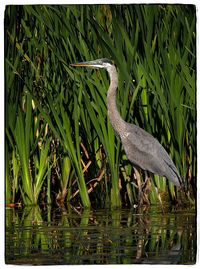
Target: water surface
(59, 236)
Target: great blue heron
(141, 148)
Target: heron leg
(139, 184)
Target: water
(58, 236)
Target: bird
(141, 148)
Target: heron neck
(113, 113)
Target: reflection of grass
(101, 237)
(58, 135)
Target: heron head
(100, 63)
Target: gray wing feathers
(146, 152)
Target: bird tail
(174, 175)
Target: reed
(59, 141)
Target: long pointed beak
(88, 64)
(94, 64)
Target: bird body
(141, 148)
(146, 152)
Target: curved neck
(115, 118)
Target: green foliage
(59, 141)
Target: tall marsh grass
(59, 143)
